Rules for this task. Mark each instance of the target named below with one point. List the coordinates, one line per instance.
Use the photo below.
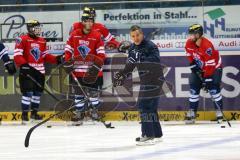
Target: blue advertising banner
(174, 100)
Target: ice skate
(145, 141)
(190, 118)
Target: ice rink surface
(204, 141)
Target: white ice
(203, 141)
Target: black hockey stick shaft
(27, 138)
(107, 125)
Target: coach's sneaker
(158, 139)
(145, 141)
(35, 116)
(190, 117)
(219, 116)
(25, 119)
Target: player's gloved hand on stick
(93, 70)
(10, 67)
(68, 66)
(124, 46)
(118, 79)
(110, 46)
(92, 74)
(195, 69)
(26, 69)
(60, 59)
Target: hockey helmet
(34, 28)
(195, 28)
(90, 10)
(86, 16)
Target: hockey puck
(49, 126)
(223, 126)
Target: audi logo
(179, 44)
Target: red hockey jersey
(33, 52)
(107, 36)
(206, 56)
(85, 49)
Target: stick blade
(109, 125)
(229, 124)
(27, 138)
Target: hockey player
(86, 48)
(206, 67)
(141, 53)
(30, 54)
(8, 63)
(110, 41)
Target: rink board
(133, 115)
(176, 99)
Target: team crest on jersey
(35, 53)
(209, 51)
(83, 50)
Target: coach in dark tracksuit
(144, 55)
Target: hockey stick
(27, 138)
(107, 125)
(219, 108)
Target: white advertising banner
(226, 44)
(167, 27)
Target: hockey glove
(118, 79)
(60, 59)
(10, 67)
(124, 46)
(26, 69)
(93, 70)
(110, 46)
(68, 67)
(194, 67)
(196, 70)
(92, 73)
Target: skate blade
(158, 140)
(26, 122)
(77, 123)
(146, 143)
(219, 121)
(190, 122)
(34, 121)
